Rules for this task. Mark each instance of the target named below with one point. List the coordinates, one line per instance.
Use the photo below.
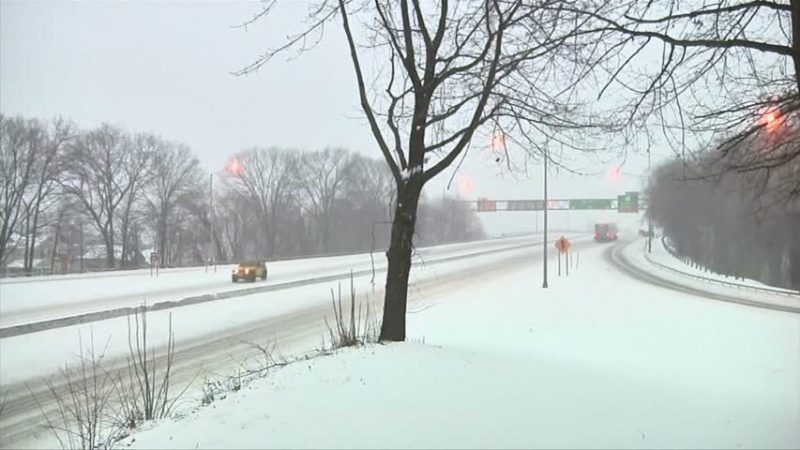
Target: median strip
(61, 322)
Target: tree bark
(25, 267)
(108, 236)
(166, 260)
(33, 233)
(393, 327)
(796, 39)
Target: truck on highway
(604, 232)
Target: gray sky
(165, 67)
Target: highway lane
(28, 301)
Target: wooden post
(559, 263)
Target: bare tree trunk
(108, 236)
(393, 327)
(56, 237)
(25, 267)
(33, 232)
(166, 260)
(796, 39)
(82, 248)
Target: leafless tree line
(734, 223)
(86, 199)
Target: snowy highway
(213, 338)
(39, 299)
(213, 335)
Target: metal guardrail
(779, 291)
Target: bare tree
(175, 173)
(704, 74)
(137, 165)
(370, 182)
(44, 183)
(101, 168)
(448, 219)
(721, 224)
(19, 141)
(323, 180)
(267, 176)
(235, 218)
(449, 71)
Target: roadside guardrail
(771, 290)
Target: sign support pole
(544, 236)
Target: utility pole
(544, 236)
(210, 219)
(647, 211)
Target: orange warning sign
(563, 245)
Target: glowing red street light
(234, 166)
(616, 173)
(772, 119)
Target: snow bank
(660, 255)
(712, 284)
(597, 360)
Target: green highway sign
(628, 203)
(525, 205)
(591, 203)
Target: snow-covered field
(597, 360)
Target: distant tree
(323, 179)
(101, 169)
(40, 197)
(20, 139)
(175, 173)
(448, 219)
(268, 177)
(722, 224)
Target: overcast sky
(165, 67)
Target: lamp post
(210, 249)
(649, 218)
(544, 236)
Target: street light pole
(210, 219)
(544, 236)
(649, 217)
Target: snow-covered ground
(636, 253)
(661, 256)
(36, 299)
(193, 323)
(597, 360)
